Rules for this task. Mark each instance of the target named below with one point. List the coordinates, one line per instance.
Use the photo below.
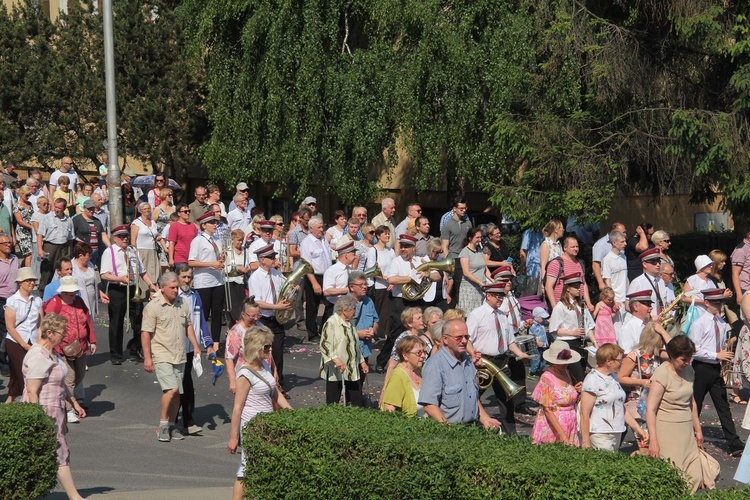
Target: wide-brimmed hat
(68, 284)
(560, 353)
(702, 261)
(25, 273)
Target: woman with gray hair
(341, 356)
(144, 235)
(661, 240)
(495, 250)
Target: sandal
(734, 398)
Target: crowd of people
(444, 318)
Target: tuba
(134, 266)
(414, 291)
(289, 290)
(489, 372)
(373, 272)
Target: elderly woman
(341, 357)
(436, 335)
(44, 372)
(80, 336)
(237, 264)
(674, 426)
(571, 321)
(637, 368)
(22, 213)
(431, 316)
(144, 234)
(401, 391)
(475, 272)
(557, 395)
(413, 322)
(88, 279)
(256, 393)
(661, 240)
(603, 415)
(22, 315)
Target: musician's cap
(266, 251)
(207, 217)
(344, 248)
(26, 273)
(572, 278)
(267, 224)
(713, 294)
(242, 187)
(642, 296)
(310, 200)
(540, 312)
(494, 288)
(560, 353)
(650, 254)
(121, 230)
(406, 241)
(701, 262)
(89, 204)
(502, 272)
(69, 284)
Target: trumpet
(489, 372)
(134, 267)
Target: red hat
(346, 247)
(494, 288)
(713, 294)
(267, 224)
(406, 240)
(642, 296)
(266, 251)
(571, 278)
(650, 254)
(502, 272)
(207, 217)
(121, 230)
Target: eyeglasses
(279, 223)
(359, 284)
(618, 360)
(459, 337)
(370, 232)
(184, 211)
(169, 196)
(312, 204)
(4, 242)
(158, 180)
(418, 353)
(667, 241)
(267, 346)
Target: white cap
(702, 261)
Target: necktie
(717, 333)
(498, 328)
(513, 315)
(213, 244)
(273, 287)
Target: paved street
(115, 454)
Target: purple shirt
(741, 258)
(8, 273)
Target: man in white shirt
(413, 210)
(629, 334)
(243, 190)
(601, 249)
(709, 333)
(336, 277)
(650, 280)
(491, 337)
(239, 217)
(266, 238)
(315, 250)
(66, 168)
(614, 272)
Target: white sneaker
(72, 417)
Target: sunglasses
(279, 223)
(185, 211)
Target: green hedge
(342, 452)
(730, 494)
(28, 452)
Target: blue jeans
(537, 365)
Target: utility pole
(113, 170)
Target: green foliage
(730, 494)
(28, 452)
(332, 451)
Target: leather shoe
(116, 362)
(525, 411)
(379, 369)
(314, 339)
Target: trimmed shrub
(730, 494)
(28, 452)
(344, 452)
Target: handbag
(73, 350)
(274, 391)
(691, 315)
(710, 469)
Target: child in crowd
(539, 331)
(604, 313)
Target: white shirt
(512, 310)
(401, 228)
(27, 316)
(316, 252)
(629, 334)
(608, 413)
(146, 237)
(703, 333)
(433, 290)
(238, 219)
(259, 285)
(383, 258)
(202, 249)
(698, 284)
(234, 260)
(567, 319)
(483, 331)
(34, 198)
(72, 175)
(615, 269)
(121, 262)
(601, 248)
(400, 267)
(336, 276)
(259, 243)
(642, 283)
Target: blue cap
(540, 312)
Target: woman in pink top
(181, 234)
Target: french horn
(415, 291)
(489, 372)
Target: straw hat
(560, 353)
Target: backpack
(562, 267)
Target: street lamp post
(113, 170)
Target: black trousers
(382, 299)
(518, 375)
(237, 296)
(118, 303)
(312, 302)
(458, 274)
(47, 266)
(213, 306)
(278, 344)
(708, 380)
(397, 307)
(578, 370)
(187, 398)
(353, 392)
(506, 407)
